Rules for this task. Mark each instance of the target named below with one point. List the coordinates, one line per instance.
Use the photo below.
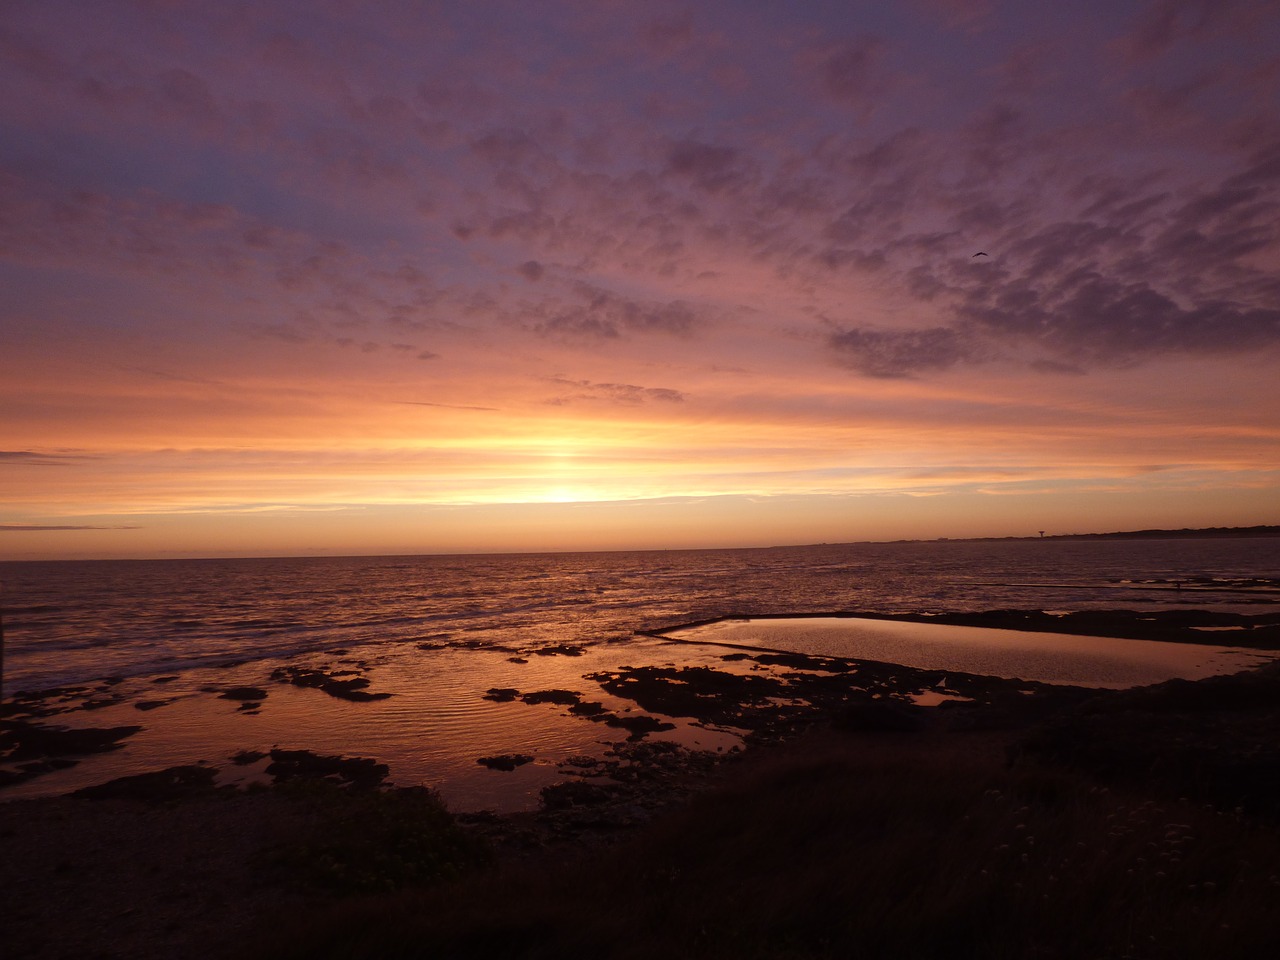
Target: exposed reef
(334, 683)
(32, 749)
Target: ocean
(435, 633)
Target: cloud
(447, 406)
(626, 394)
(601, 314)
(1165, 22)
(1150, 277)
(849, 72)
(964, 13)
(1100, 321)
(615, 191)
(667, 35)
(1141, 272)
(32, 458)
(364, 346)
(892, 354)
(707, 166)
(41, 528)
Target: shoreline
(236, 716)
(173, 867)
(237, 720)
(171, 862)
(1261, 630)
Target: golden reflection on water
(430, 731)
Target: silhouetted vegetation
(372, 841)
(904, 841)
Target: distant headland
(1199, 533)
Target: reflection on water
(69, 622)
(438, 632)
(1047, 657)
(432, 730)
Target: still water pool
(1102, 662)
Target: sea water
(437, 632)
(72, 621)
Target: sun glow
(566, 495)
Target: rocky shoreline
(169, 862)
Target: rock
(361, 772)
(561, 650)
(244, 693)
(47, 765)
(31, 741)
(560, 697)
(576, 793)
(701, 693)
(501, 694)
(505, 762)
(639, 725)
(352, 689)
(171, 784)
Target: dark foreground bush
(863, 849)
(371, 841)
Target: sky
(290, 278)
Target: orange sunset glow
(575, 276)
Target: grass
(891, 845)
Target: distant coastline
(1199, 533)
(1258, 532)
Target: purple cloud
(893, 354)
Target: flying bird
(978, 254)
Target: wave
(73, 622)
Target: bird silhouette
(978, 254)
